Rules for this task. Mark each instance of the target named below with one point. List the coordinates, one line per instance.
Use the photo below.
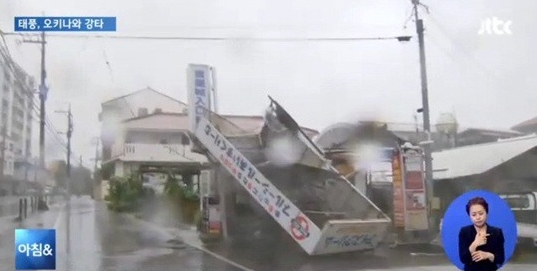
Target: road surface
(100, 240)
(104, 241)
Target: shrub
(125, 193)
(179, 191)
(182, 195)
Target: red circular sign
(300, 228)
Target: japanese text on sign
(258, 186)
(200, 89)
(362, 240)
(25, 24)
(245, 172)
(199, 98)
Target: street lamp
(404, 38)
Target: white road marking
(60, 216)
(192, 244)
(222, 258)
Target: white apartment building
(16, 107)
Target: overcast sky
(488, 81)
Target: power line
(43, 89)
(4, 52)
(205, 38)
(465, 54)
(55, 134)
(49, 127)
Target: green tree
(180, 189)
(126, 193)
(184, 199)
(106, 171)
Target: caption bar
(45, 24)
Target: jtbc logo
(495, 26)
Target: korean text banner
(63, 24)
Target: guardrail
(18, 207)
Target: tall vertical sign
(199, 93)
(398, 190)
(414, 186)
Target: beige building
(148, 131)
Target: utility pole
(96, 159)
(96, 175)
(426, 117)
(3, 159)
(69, 134)
(43, 91)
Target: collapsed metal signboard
(352, 232)
(287, 214)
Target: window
(28, 152)
(158, 110)
(185, 140)
(521, 202)
(142, 111)
(164, 141)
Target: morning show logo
(35, 249)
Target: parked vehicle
(523, 204)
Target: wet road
(100, 241)
(287, 256)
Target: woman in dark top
(481, 246)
